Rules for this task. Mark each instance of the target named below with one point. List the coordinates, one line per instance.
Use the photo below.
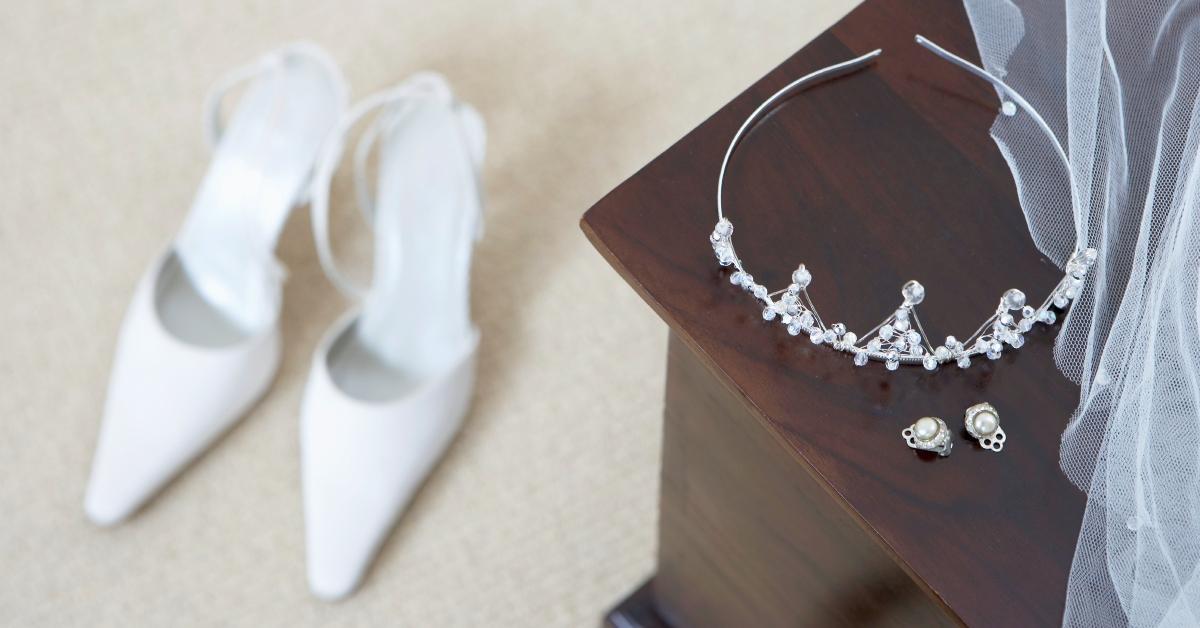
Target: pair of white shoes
(391, 380)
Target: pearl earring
(983, 422)
(929, 434)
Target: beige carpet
(544, 511)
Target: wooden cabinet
(788, 496)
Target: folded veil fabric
(1117, 81)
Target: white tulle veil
(1117, 81)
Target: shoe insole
(415, 321)
(185, 312)
(258, 174)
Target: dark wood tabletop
(873, 179)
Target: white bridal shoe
(200, 340)
(392, 380)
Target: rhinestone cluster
(899, 339)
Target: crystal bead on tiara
(900, 338)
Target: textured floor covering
(543, 512)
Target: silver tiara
(900, 338)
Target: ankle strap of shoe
(425, 86)
(274, 60)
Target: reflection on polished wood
(788, 497)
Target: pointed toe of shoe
(125, 473)
(334, 582)
(332, 588)
(340, 550)
(167, 402)
(362, 462)
(107, 505)
(351, 500)
(344, 529)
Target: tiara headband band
(900, 338)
